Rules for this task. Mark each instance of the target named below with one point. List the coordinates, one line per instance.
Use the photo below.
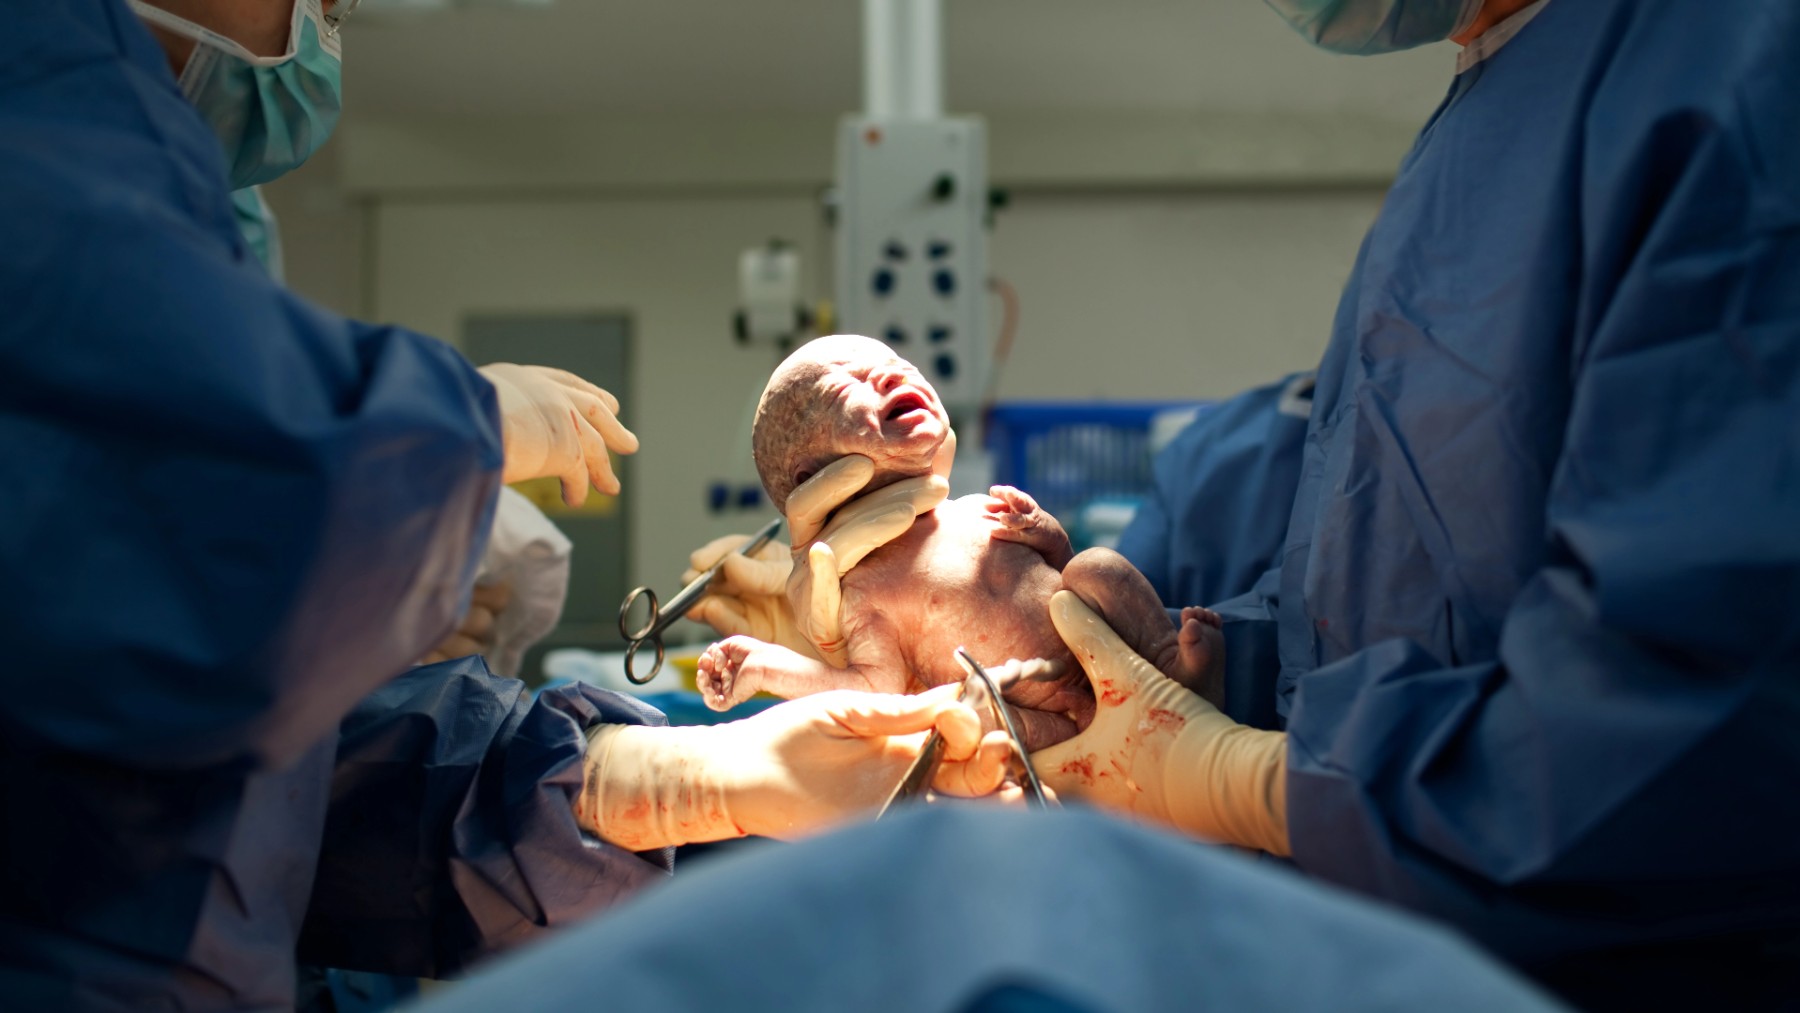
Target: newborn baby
(976, 572)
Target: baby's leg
(737, 668)
(1193, 655)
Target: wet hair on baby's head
(790, 421)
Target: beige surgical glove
(794, 769)
(1161, 753)
(555, 424)
(859, 528)
(752, 595)
(749, 596)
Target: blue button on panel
(944, 281)
(883, 282)
(894, 250)
(946, 366)
(895, 334)
(938, 334)
(938, 249)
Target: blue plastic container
(1070, 455)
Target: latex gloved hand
(1160, 752)
(794, 769)
(855, 530)
(555, 424)
(749, 596)
(752, 596)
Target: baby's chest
(945, 563)
(946, 584)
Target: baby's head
(845, 394)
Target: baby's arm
(1021, 520)
(736, 669)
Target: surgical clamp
(919, 775)
(664, 616)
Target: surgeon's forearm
(646, 788)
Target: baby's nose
(886, 379)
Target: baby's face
(880, 406)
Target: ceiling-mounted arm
(903, 59)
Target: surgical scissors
(924, 767)
(664, 616)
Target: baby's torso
(946, 584)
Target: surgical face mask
(270, 112)
(1365, 27)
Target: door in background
(596, 347)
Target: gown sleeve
(1222, 491)
(451, 831)
(230, 514)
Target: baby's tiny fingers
(1020, 500)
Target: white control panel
(912, 247)
(769, 306)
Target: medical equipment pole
(911, 209)
(903, 59)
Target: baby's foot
(722, 678)
(1200, 653)
(1021, 520)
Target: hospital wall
(1185, 286)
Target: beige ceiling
(787, 55)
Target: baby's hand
(1018, 518)
(725, 677)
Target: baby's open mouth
(904, 403)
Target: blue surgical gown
(230, 518)
(1539, 602)
(1217, 510)
(1215, 518)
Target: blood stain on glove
(1082, 768)
(1163, 720)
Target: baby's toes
(1200, 656)
(1198, 638)
(1204, 615)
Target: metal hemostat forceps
(664, 616)
(918, 776)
